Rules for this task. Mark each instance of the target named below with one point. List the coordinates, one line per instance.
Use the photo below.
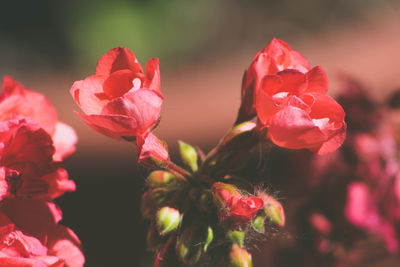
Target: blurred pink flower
(31, 236)
(17, 101)
(26, 162)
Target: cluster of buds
(201, 213)
(198, 219)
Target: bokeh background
(204, 48)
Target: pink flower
(120, 100)
(31, 236)
(298, 114)
(27, 168)
(16, 101)
(275, 57)
(362, 210)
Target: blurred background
(204, 48)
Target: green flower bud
(209, 239)
(167, 220)
(152, 200)
(160, 178)
(239, 257)
(188, 155)
(192, 243)
(258, 224)
(273, 209)
(236, 237)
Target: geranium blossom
(26, 162)
(31, 236)
(275, 57)
(298, 114)
(120, 100)
(17, 101)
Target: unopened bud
(209, 239)
(273, 209)
(188, 155)
(223, 193)
(152, 151)
(152, 200)
(258, 224)
(237, 133)
(239, 257)
(160, 178)
(236, 237)
(167, 219)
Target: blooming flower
(275, 57)
(31, 236)
(27, 168)
(17, 101)
(298, 114)
(120, 100)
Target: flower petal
(87, 94)
(153, 75)
(293, 128)
(317, 80)
(118, 58)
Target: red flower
(31, 236)
(16, 101)
(235, 208)
(298, 114)
(27, 168)
(120, 100)
(275, 57)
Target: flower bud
(235, 210)
(160, 178)
(188, 155)
(167, 220)
(239, 257)
(152, 200)
(258, 224)
(192, 243)
(237, 133)
(273, 209)
(222, 193)
(152, 151)
(236, 237)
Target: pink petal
(118, 58)
(317, 80)
(293, 81)
(153, 75)
(118, 83)
(64, 141)
(293, 128)
(86, 94)
(112, 125)
(143, 105)
(16, 100)
(265, 105)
